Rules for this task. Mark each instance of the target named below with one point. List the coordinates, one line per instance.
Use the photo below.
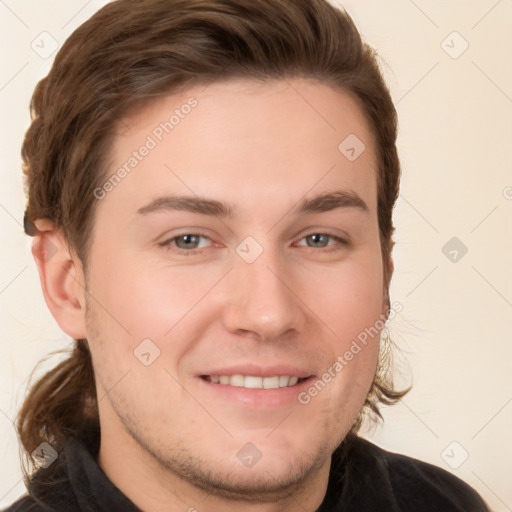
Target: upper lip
(260, 371)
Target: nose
(262, 299)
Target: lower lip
(257, 397)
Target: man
(210, 188)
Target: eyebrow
(205, 206)
(331, 201)
(194, 204)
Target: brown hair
(134, 50)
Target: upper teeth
(248, 381)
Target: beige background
(455, 110)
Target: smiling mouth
(252, 382)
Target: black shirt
(363, 478)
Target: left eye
(321, 240)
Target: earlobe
(61, 277)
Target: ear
(62, 278)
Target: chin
(268, 480)
(262, 470)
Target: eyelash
(167, 244)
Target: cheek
(144, 302)
(350, 304)
(349, 298)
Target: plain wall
(455, 111)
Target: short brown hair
(132, 51)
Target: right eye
(186, 243)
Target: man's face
(232, 305)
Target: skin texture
(169, 438)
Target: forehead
(244, 141)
